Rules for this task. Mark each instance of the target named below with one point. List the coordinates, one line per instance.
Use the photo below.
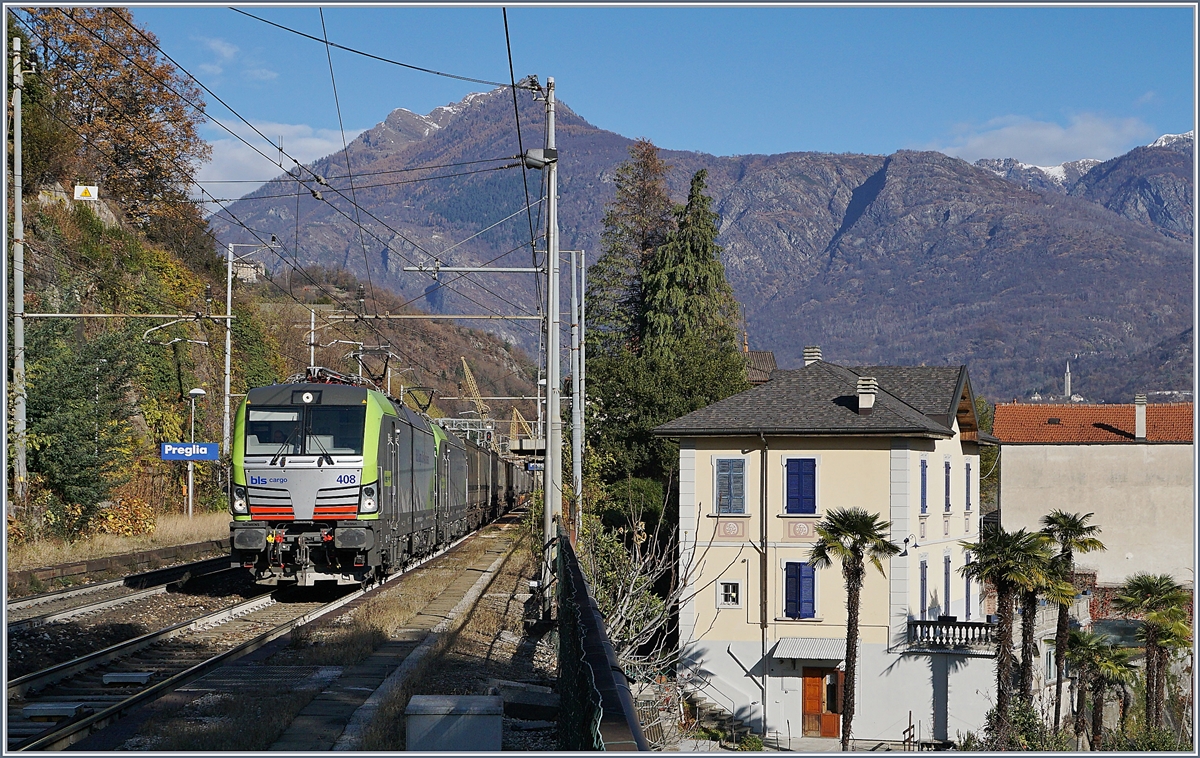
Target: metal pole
(553, 346)
(20, 471)
(225, 449)
(312, 338)
(582, 378)
(576, 407)
(192, 464)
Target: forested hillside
(104, 392)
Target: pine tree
(685, 290)
(635, 224)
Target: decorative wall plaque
(801, 530)
(731, 529)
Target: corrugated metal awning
(810, 649)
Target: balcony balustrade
(973, 638)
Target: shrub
(750, 742)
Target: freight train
(333, 481)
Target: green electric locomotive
(333, 481)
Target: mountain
(915, 257)
(1060, 178)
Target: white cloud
(233, 159)
(261, 74)
(224, 50)
(1149, 97)
(1045, 143)
(211, 69)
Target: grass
(224, 721)
(170, 530)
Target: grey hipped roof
(822, 399)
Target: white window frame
(721, 603)
(745, 459)
(783, 461)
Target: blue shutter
(723, 486)
(924, 590)
(792, 504)
(808, 485)
(801, 486)
(808, 591)
(924, 486)
(737, 486)
(968, 486)
(946, 584)
(947, 486)
(967, 592)
(791, 590)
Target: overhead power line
(370, 55)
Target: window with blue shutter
(731, 485)
(968, 477)
(924, 486)
(799, 593)
(967, 592)
(947, 486)
(946, 584)
(801, 486)
(924, 590)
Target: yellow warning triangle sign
(85, 193)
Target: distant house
(1131, 465)
(762, 632)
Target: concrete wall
(1142, 495)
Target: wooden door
(811, 706)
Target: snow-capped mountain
(1060, 178)
(1184, 140)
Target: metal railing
(597, 710)
(975, 636)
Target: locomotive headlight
(367, 504)
(238, 505)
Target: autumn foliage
(131, 116)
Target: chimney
(868, 386)
(1067, 384)
(811, 355)
(1139, 417)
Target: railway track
(60, 705)
(38, 610)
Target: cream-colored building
(762, 634)
(1129, 465)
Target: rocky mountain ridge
(910, 258)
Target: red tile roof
(1079, 423)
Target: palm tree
(1008, 560)
(1045, 581)
(1073, 534)
(851, 536)
(1113, 669)
(1084, 650)
(1161, 603)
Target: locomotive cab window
(332, 430)
(273, 430)
(335, 430)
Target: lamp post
(192, 395)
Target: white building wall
(1143, 497)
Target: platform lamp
(192, 395)
(910, 538)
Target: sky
(1043, 85)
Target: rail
(597, 709)
(969, 636)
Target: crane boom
(473, 391)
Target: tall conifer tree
(685, 290)
(635, 224)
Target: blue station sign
(190, 451)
